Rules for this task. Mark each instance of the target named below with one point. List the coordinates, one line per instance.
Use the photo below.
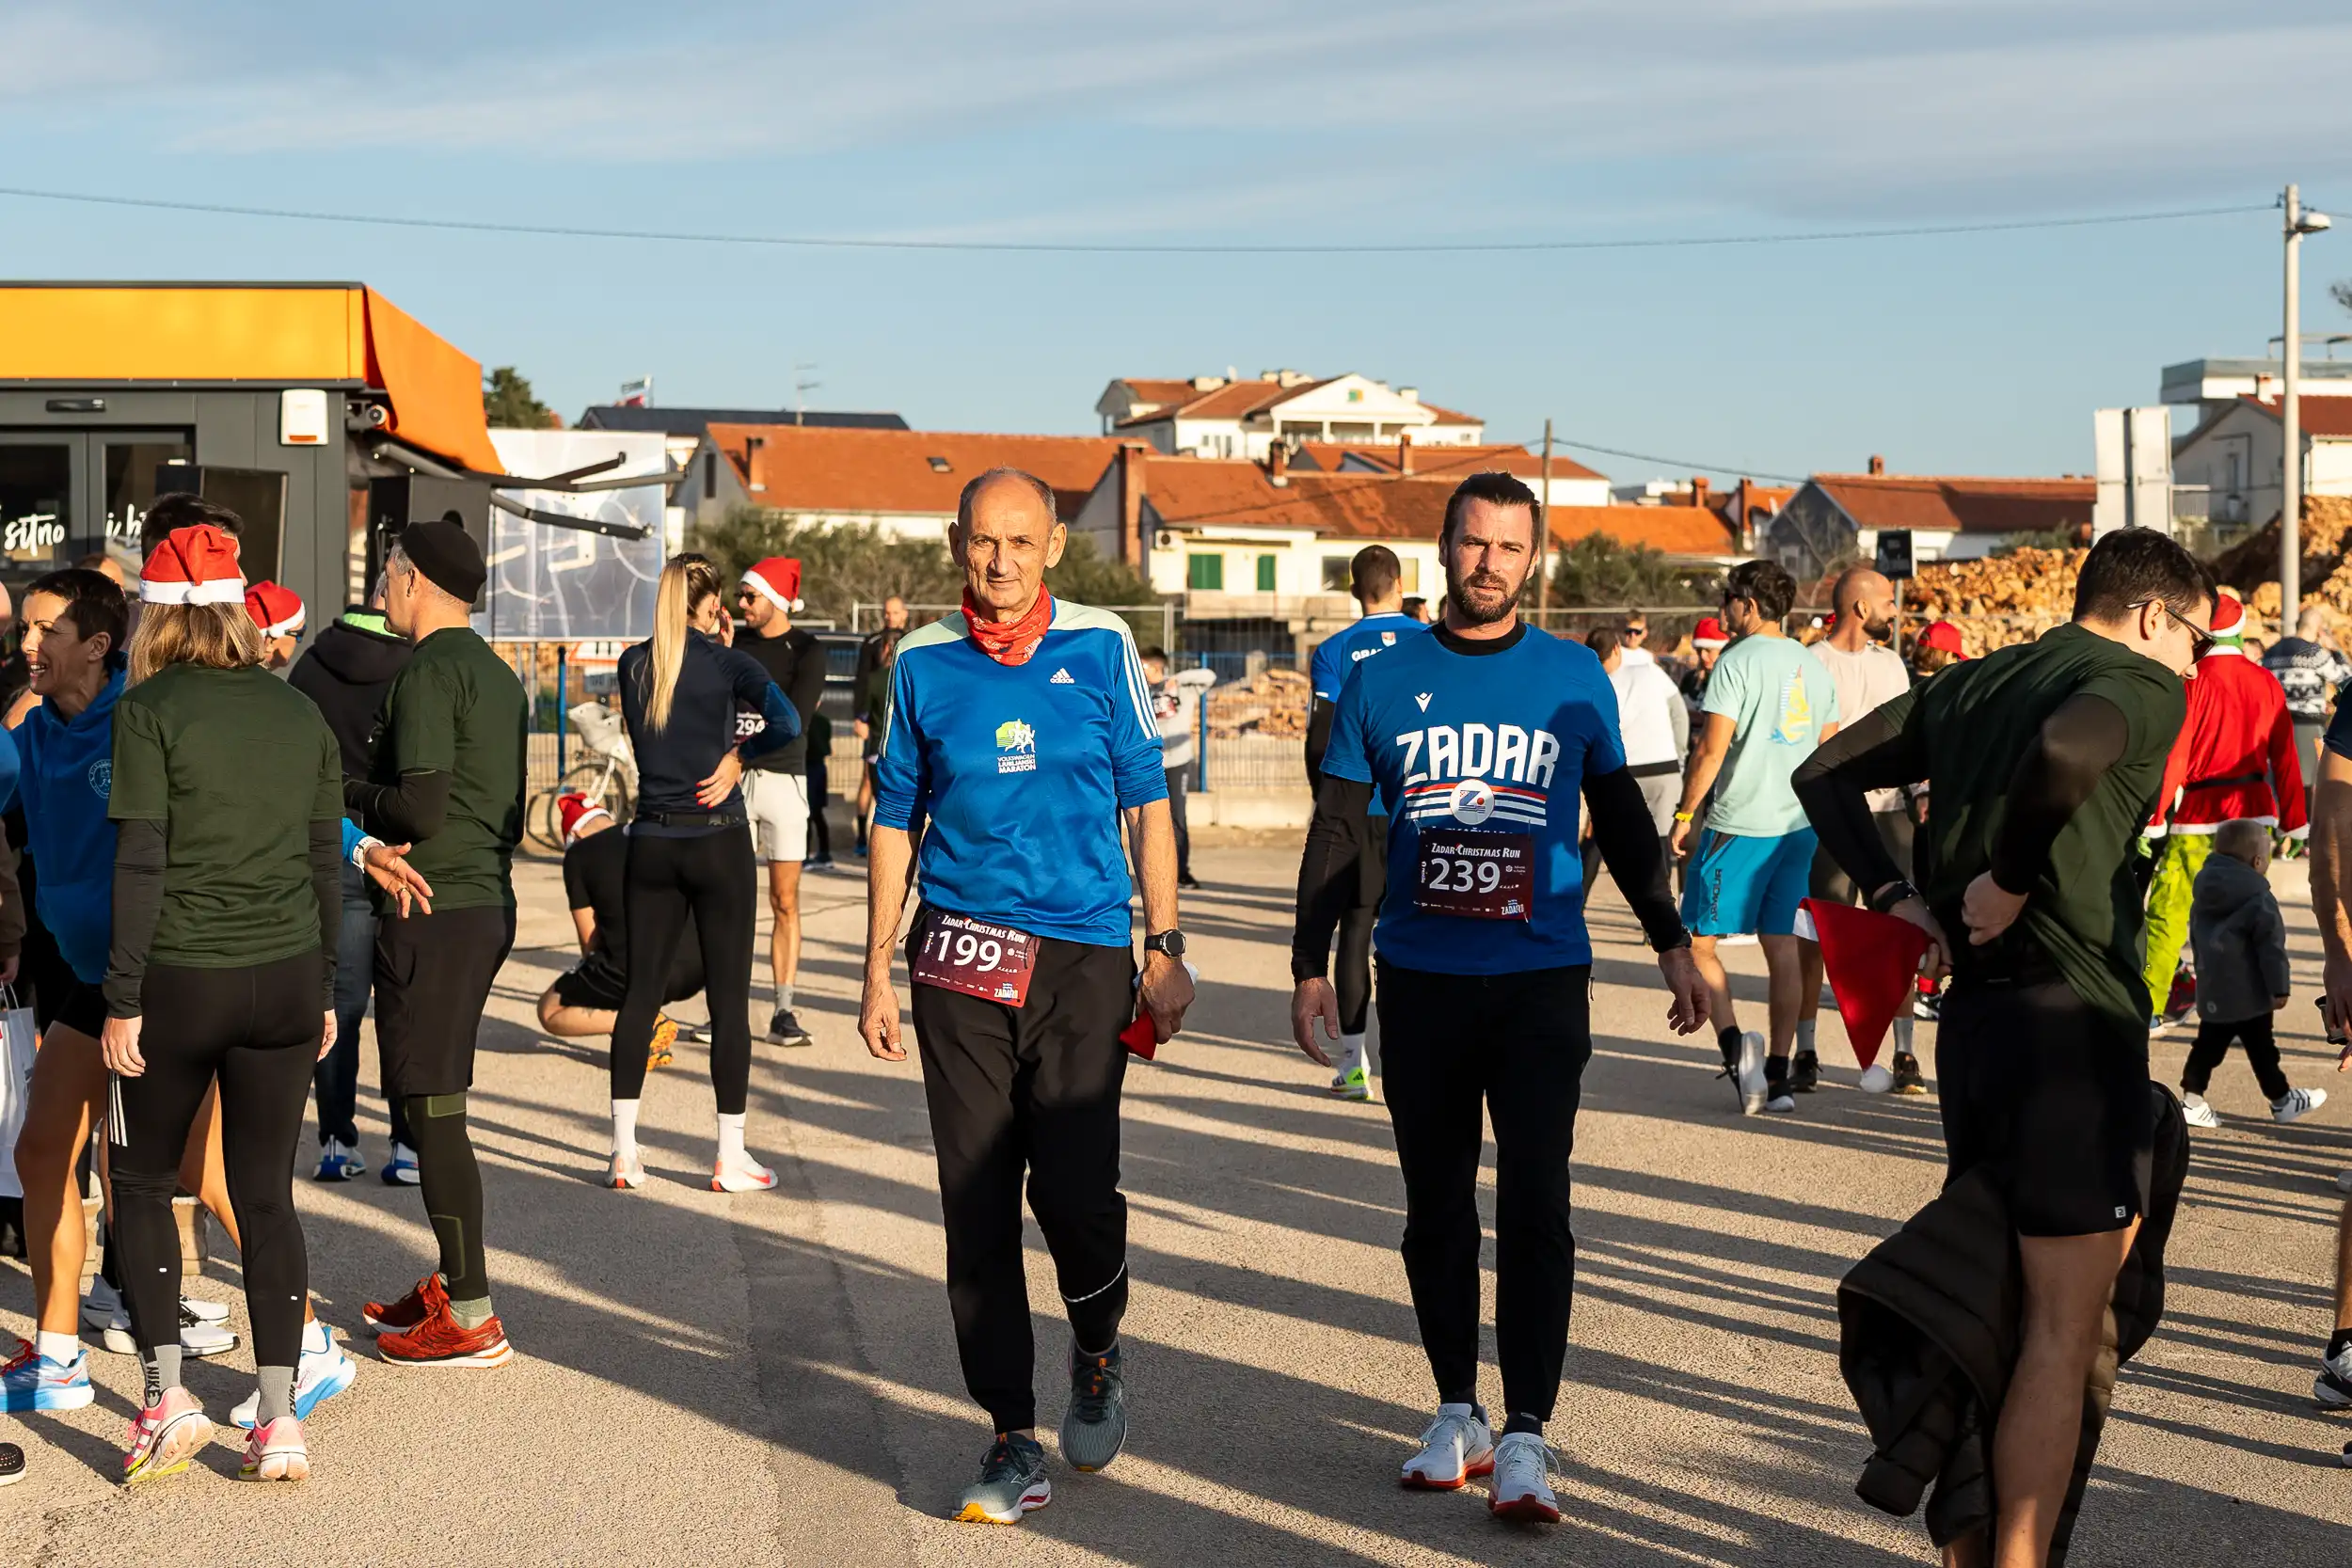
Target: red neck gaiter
(1009, 642)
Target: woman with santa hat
(227, 904)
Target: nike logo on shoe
(1423, 698)
(1061, 677)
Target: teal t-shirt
(1781, 698)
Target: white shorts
(778, 803)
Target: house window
(1204, 574)
(1336, 576)
(1266, 574)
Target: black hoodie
(347, 672)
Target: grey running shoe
(785, 1030)
(2332, 1388)
(1012, 1483)
(1094, 1428)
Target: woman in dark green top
(227, 793)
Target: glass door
(44, 489)
(126, 463)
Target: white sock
(315, 1340)
(624, 1126)
(1351, 1054)
(1902, 1032)
(1804, 1033)
(731, 1140)
(57, 1347)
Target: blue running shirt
(1497, 742)
(1022, 771)
(1341, 652)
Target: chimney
(1878, 464)
(1278, 462)
(1131, 550)
(1698, 491)
(1404, 452)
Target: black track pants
(1032, 1089)
(257, 1030)
(2213, 1043)
(1516, 1044)
(710, 876)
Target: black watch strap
(1169, 943)
(1892, 894)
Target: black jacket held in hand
(346, 674)
(1928, 1336)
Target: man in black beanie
(448, 777)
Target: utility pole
(2299, 222)
(1543, 546)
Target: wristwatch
(1891, 894)
(1169, 943)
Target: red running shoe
(426, 1297)
(439, 1342)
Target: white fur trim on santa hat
(768, 592)
(218, 591)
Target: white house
(1212, 416)
(2231, 468)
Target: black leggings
(2213, 1043)
(710, 876)
(1351, 975)
(1516, 1044)
(257, 1030)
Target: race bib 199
(1482, 876)
(958, 952)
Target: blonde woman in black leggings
(690, 851)
(226, 905)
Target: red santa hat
(778, 579)
(2228, 615)
(574, 809)
(276, 610)
(1709, 633)
(193, 565)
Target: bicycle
(607, 776)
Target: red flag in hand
(1872, 961)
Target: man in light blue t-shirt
(1768, 704)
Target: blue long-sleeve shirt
(673, 762)
(1022, 771)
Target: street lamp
(2299, 222)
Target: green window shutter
(1266, 574)
(1206, 573)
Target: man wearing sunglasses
(775, 783)
(2045, 760)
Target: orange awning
(335, 335)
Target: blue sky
(1246, 122)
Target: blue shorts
(1739, 885)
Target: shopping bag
(17, 1043)
(1872, 961)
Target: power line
(827, 241)
(1680, 464)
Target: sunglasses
(2200, 640)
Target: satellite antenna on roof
(800, 388)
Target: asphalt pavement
(770, 1378)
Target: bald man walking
(1867, 673)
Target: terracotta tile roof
(1198, 492)
(1235, 400)
(1965, 505)
(1159, 389)
(1670, 529)
(891, 472)
(1439, 457)
(2328, 415)
(1447, 416)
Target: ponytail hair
(688, 582)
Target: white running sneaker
(200, 1336)
(627, 1172)
(2195, 1111)
(753, 1178)
(1455, 1447)
(2296, 1104)
(1753, 1088)
(1358, 1084)
(321, 1375)
(1521, 1489)
(1876, 1079)
(2332, 1388)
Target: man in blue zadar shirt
(1477, 738)
(1022, 730)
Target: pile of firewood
(2253, 566)
(1999, 599)
(1270, 702)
